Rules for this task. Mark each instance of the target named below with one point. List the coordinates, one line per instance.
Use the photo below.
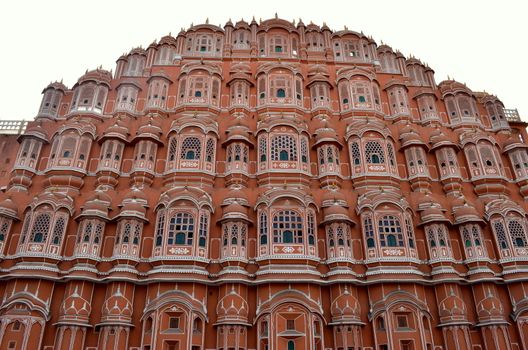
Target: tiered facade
(269, 186)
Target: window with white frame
(473, 243)
(128, 238)
(157, 93)
(89, 237)
(43, 231)
(519, 160)
(447, 162)
(510, 233)
(70, 149)
(28, 153)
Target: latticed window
(173, 146)
(263, 148)
(517, 234)
(41, 227)
(25, 228)
(500, 232)
(436, 235)
(311, 229)
(210, 150)
(159, 228)
(356, 155)
(181, 229)
(471, 236)
(284, 148)
(4, 228)
(202, 230)
(390, 232)
(304, 150)
(390, 153)
(410, 232)
(368, 228)
(519, 159)
(287, 227)
(263, 228)
(487, 155)
(191, 148)
(374, 153)
(340, 236)
(58, 230)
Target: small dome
(453, 87)
(409, 137)
(413, 60)
(134, 205)
(75, 307)
(345, 307)
(439, 139)
(149, 130)
(512, 143)
(8, 208)
(334, 197)
(236, 195)
(490, 308)
(451, 308)
(98, 75)
(35, 129)
(385, 48)
(117, 307)
(464, 211)
(242, 25)
(56, 86)
(235, 208)
(98, 205)
(232, 308)
(138, 51)
(117, 130)
(168, 40)
(239, 130)
(335, 213)
(326, 134)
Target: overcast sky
(482, 43)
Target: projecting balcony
(512, 115)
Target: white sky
(482, 43)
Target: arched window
(374, 153)
(390, 232)
(40, 228)
(287, 225)
(284, 148)
(181, 229)
(281, 93)
(291, 345)
(517, 234)
(191, 148)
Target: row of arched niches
(279, 185)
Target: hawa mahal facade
(264, 186)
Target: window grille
(390, 232)
(287, 227)
(374, 153)
(283, 147)
(517, 233)
(181, 229)
(191, 148)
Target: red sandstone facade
(270, 186)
